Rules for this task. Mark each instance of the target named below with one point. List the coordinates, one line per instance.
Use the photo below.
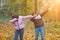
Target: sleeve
(27, 17)
(42, 14)
(44, 9)
(13, 20)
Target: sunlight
(53, 5)
(57, 1)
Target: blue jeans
(17, 33)
(41, 30)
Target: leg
(16, 35)
(37, 33)
(42, 32)
(21, 34)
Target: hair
(14, 16)
(34, 13)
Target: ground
(7, 32)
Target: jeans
(41, 30)
(17, 33)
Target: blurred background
(27, 7)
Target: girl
(18, 22)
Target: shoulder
(20, 16)
(32, 19)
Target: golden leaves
(7, 33)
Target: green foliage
(24, 7)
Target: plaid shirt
(37, 22)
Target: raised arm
(43, 13)
(13, 20)
(44, 10)
(27, 17)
